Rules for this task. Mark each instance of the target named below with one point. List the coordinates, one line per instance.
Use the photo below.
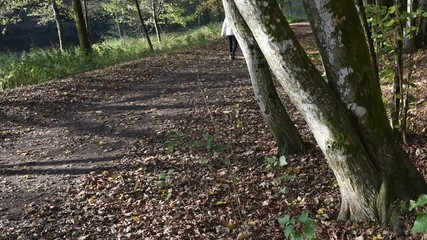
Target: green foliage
(165, 178)
(42, 65)
(273, 163)
(205, 149)
(302, 227)
(385, 21)
(175, 139)
(420, 224)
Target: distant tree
(207, 8)
(45, 12)
(59, 26)
(11, 11)
(141, 19)
(120, 11)
(154, 10)
(82, 32)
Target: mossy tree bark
(288, 140)
(81, 27)
(346, 115)
(352, 76)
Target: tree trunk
(59, 26)
(409, 43)
(141, 19)
(421, 38)
(356, 85)
(86, 13)
(119, 25)
(368, 36)
(81, 27)
(156, 24)
(348, 119)
(288, 140)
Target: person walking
(232, 41)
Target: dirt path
(56, 131)
(83, 157)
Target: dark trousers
(232, 45)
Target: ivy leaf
(284, 220)
(421, 201)
(420, 224)
(282, 161)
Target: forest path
(66, 129)
(84, 156)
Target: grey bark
(350, 73)
(156, 24)
(320, 107)
(288, 140)
(343, 116)
(59, 26)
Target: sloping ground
(170, 147)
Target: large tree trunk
(141, 19)
(288, 140)
(348, 119)
(351, 75)
(59, 26)
(81, 26)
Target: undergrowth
(42, 65)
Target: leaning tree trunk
(81, 27)
(370, 177)
(288, 140)
(141, 19)
(59, 26)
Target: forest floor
(169, 147)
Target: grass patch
(42, 65)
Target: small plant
(175, 138)
(301, 227)
(208, 140)
(281, 180)
(165, 178)
(420, 224)
(273, 164)
(203, 160)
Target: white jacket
(226, 29)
